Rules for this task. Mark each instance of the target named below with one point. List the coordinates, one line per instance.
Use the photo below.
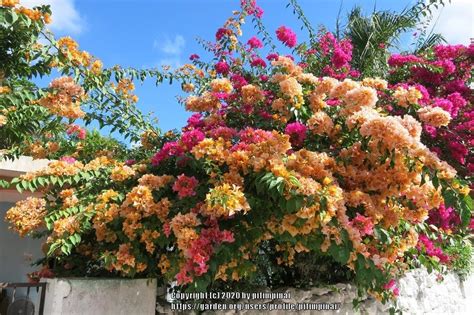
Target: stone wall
(89, 296)
(420, 293)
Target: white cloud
(66, 17)
(171, 47)
(455, 21)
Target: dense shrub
(293, 170)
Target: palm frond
(429, 42)
(367, 33)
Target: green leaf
(468, 201)
(65, 249)
(11, 16)
(466, 211)
(4, 183)
(450, 198)
(339, 253)
(294, 204)
(382, 235)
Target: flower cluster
(440, 83)
(64, 99)
(27, 215)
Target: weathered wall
(420, 293)
(105, 296)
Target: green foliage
(461, 257)
(372, 35)
(28, 51)
(18, 54)
(93, 145)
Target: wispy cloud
(455, 21)
(171, 46)
(66, 17)
(171, 49)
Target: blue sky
(146, 33)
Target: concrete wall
(82, 296)
(420, 293)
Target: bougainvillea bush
(292, 170)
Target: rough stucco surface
(105, 296)
(420, 293)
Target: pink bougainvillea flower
(258, 62)
(471, 224)
(221, 32)
(340, 58)
(238, 81)
(272, 56)
(286, 36)
(130, 162)
(251, 8)
(182, 277)
(169, 149)
(297, 133)
(194, 57)
(190, 138)
(68, 159)
(185, 186)
(430, 130)
(254, 42)
(431, 250)
(397, 60)
(444, 218)
(76, 130)
(222, 67)
(389, 285)
(363, 224)
(195, 121)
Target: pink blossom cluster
(336, 55)
(391, 286)
(168, 150)
(444, 218)
(76, 130)
(185, 186)
(201, 251)
(68, 159)
(222, 67)
(254, 42)
(443, 77)
(297, 133)
(286, 36)
(397, 60)
(427, 245)
(251, 8)
(363, 224)
(190, 138)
